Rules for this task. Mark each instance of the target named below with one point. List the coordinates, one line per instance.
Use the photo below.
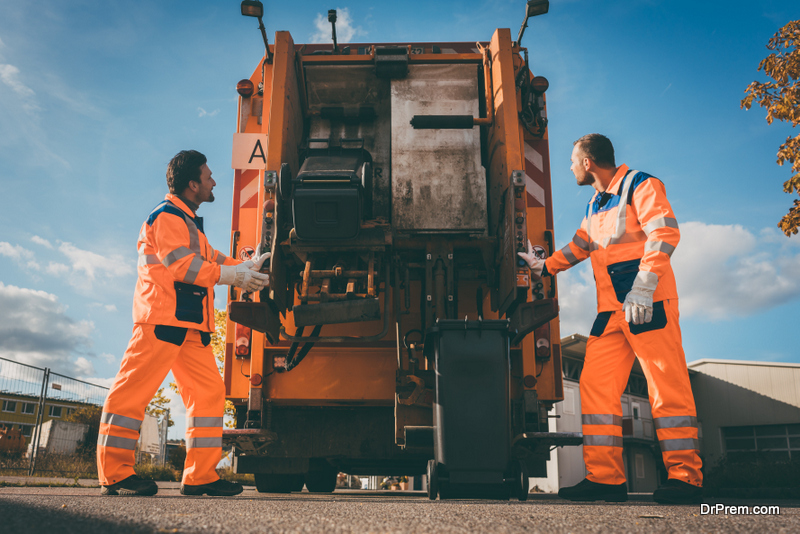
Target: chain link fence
(49, 424)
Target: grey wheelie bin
(471, 417)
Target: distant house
(19, 411)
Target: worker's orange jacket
(177, 269)
(628, 228)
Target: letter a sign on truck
(249, 151)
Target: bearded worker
(173, 316)
(629, 232)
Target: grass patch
(51, 465)
(27, 484)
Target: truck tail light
(245, 88)
(540, 84)
(243, 337)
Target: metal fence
(49, 423)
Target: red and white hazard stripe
(535, 178)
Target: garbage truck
(393, 185)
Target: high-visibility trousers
(613, 344)
(152, 352)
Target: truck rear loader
(394, 185)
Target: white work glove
(256, 262)
(245, 275)
(638, 304)
(535, 263)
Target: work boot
(586, 490)
(219, 488)
(678, 492)
(132, 485)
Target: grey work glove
(535, 263)
(638, 304)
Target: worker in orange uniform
(173, 316)
(629, 232)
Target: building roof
(707, 361)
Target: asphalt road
(84, 510)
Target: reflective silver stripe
(589, 217)
(117, 442)
(661, 222)
(622, 207)
(221, 258)
(601, 419)
(203, 422)
(569, 255)
(686, 444)
(594, 245)
(580, 243)
(602, 441)
(678, 421)
(175, 255)
(120, 420)
(194, 269)
(194, 234)
(148, 259)
(659, 246)
(203, 443)
(630, 237)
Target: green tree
(159, 405)
(781, 97)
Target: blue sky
(96, 97)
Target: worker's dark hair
(598, 148)
(184, 168)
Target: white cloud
(56, 269)
(724, 271)
(88, 266)
(20, 254)
(9, 75)
(204, 113)
(83, 269)
(107, 307)
(35, 329)
(345, 31)
(108, 358)
(41, 241)
(577, 300)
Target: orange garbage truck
(394, 185)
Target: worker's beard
(210, 197)
(585, 179)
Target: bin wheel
(321, 481)
(523, 483)
(278, 483)
(433, 480)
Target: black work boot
(220, 488)
(132, 485)
(586, 490)
(678, 492)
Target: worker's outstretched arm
(572, 254)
